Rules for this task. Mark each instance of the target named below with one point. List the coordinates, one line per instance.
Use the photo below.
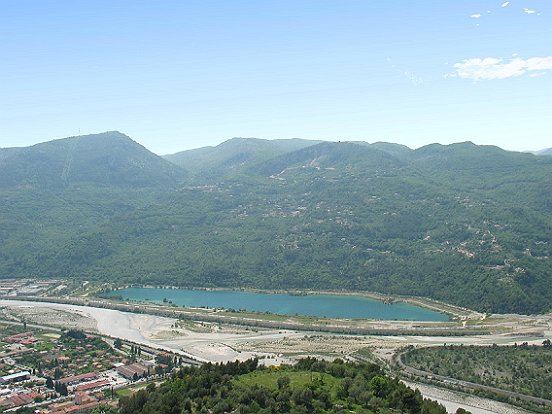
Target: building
(133, 371)
(78, 378)
(18, 337)
(17, 377)
(63, 360)
(92, 385)
(83, 404)
(82, 398)
(19, 400)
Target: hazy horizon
(268, 139)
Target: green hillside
(232, 156)
(310, 386)
(107, 159)
(463, 223)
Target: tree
(75, 334)
(104, 409)
(118, 343)
(61, 388)
(378, 385)
(283, 382)
(49, 383)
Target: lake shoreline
(454, 312)
(284, 304)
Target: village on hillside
(69, 371)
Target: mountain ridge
(547, 151)
(109, 158)
(234, 154)
(463, 223)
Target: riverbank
(149, 330)
(518, 326)
(336, 326)
(219, 342)
(166, 326)
(452, 400)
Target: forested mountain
(463, 223)
(107, 159)
(234, 155)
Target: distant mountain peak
(108, 158)
(235, 154)
(547, 151)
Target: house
(19, 400)
(83, 404)
(18, 337)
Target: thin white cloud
(505, 4)
(475, 16)
(539, 63)
(493, 68)
(413, 78)
(529, 11)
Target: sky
(176, 75)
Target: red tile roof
(92, 385)
(77, 378)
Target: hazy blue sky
(176, 75)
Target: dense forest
(522, 368)
(462, 223)
(311, 386)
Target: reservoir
(323, 305)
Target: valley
(453, 238)
(464, 224)
(227, 339)
(275, 207)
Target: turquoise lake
(329, 306)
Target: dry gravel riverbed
(220, 343)
(453, 400)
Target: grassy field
(128, 391)
(269, 379)
(124, 392)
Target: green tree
(283, 382)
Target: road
(466, 384)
